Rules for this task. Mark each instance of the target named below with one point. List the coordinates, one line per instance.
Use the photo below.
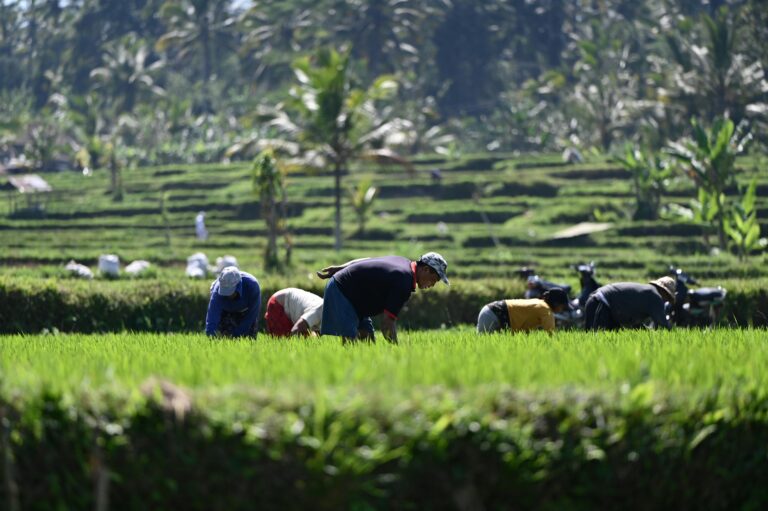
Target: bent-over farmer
(629, 305)
(293, 311)
(523, 314)
(362, 288)
(233, 309)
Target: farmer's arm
(329, 271)
(659, 315)
(251, 317)
(389, 327)
(548, 321)
(213, 317)
(301, 327)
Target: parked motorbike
(536, 287)
(695, 307)
(588, 283)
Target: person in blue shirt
(233, 309)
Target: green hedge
(512, 452)
(30, 305)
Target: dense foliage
(34, 305)
(184, 80)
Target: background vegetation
(170, 81)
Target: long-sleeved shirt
(300, 304)
(247, 303)
(632, 303)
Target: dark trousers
(231, 320)
(597, 316)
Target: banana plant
(362, 198)
(742, 226)
(708, 159)
(650, 174)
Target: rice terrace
(381, 254)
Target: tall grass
(671, 363)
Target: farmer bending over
(523, 315)
(293, 311)
(629, 305)
(233, 309)
(362, 288)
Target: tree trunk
(337, 191)
(116, 178)
(721, 227)
(271, 255)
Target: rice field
(669, 363)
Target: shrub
(29, 305)
(437, 452)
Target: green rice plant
(677, 362)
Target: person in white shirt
(293, 311)
(200, 230)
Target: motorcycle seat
(706, 295)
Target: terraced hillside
(489, 215)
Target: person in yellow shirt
(523, 315)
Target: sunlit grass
(677, 362)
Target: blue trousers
(339, 315)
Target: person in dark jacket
(233, 309)
(629, 305)
(366, 287)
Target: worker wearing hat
(366, 287)
(629, 305)
(233, 309)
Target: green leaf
(748, 202)
(753, 235)
(700, 136)
(441, 425)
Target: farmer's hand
(300, 328)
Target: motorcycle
(588, 283)
(695, 307)
(536, 287)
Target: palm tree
(388, 35)
(341, 121)
(709, 160)
(127, 74)
(606, 74)
(198, 27)
(712, 76)
(273, 33)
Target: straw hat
(667, 287)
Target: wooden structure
(28, 195)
